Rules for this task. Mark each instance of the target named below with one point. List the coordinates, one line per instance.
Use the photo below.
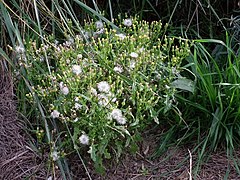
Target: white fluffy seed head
(132, 64)
(116, 113)
(134, 55)
(118, 69)
(103, 100)
(121, 36)
(65, 90)
(20, 49)
(76, 69)
(55, 114)
(61, 85)
(79, 56)
(84, 139)
(141, 49)
(127, 22)
(121, 120)
(54, 155)
(76, 99)
(99, 25)
(93, 91)
(103, 86)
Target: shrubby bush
(103, 86)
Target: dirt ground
(172, 165)
(19, 161)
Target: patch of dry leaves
(17, 159)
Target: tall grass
(218, 91)
(213, 110)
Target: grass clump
(103, 86)
(218, 93)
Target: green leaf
(184, 84)
(76, 133)
(154, 116)
(92, 152)
(133, 148)
(99, 169)
(107, 155)
(122, 129)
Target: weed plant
(102, 87)
(91, 90)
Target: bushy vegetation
(103, 86)
(91, 87)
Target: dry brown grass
(18, 160)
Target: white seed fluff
(99, 25)
(132, 64)
(65, 90)
(76, 69)
(116, 114)
(127, 22)
(61, 85)
(103, 100)
(55, 114)
(121, 36)
(141, 49)
(103, 86)
(101, 31)
(54, 155)
(121, 120)
(118, 69)
(79, 56)
(20, 49)
(134, 55)
(84, 139)
(93, 91)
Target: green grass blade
(84, 6)
(8, 22)
(110, 9)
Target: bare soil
(174, 164)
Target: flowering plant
(103, 86)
